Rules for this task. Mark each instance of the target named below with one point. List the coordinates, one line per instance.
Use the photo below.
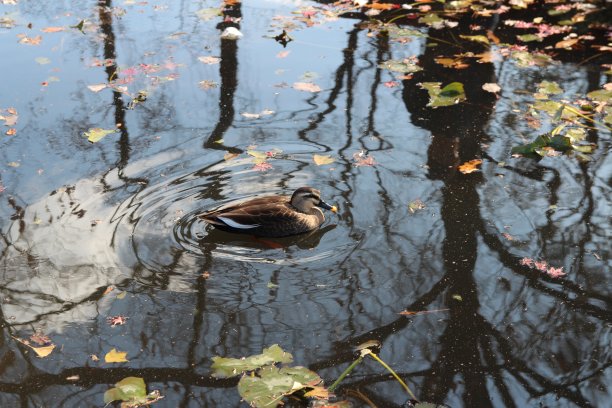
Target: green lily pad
(132, 389)
(230, 367)
(528, 37)
(395, 32)
(549, 88)
(432, 20)
(272, 384)
(528, 59)
(405, 66)
(555, 109)
(544, 143)
(451, 94)
(601, 95)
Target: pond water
(95, 230)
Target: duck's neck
(318, 213)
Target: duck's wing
(253, 214)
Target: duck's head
(304, 199)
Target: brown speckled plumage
(272, 216)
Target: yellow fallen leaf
(470, 166)
(567, 43)
(115, 356)
(260, 157)
(321, 160)
(229, 156)
(43, 351)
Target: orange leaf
(382, 6)
(470, 166)
(421, 312)
(306, 86)
(52, 29)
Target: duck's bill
(326, 206)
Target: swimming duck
(272, 216)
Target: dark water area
(90, 231)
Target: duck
(272, 216)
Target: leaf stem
(375, 357)
(345, 373)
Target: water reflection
(91, 231)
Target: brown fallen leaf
(229, 156)
(567, 43)
(30, 40)
(421, 312)
(470, 166)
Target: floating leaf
(363, 159)
(229, 156)
(265, 166)
(601, 95)
(415, 206)
(115, 356)
(207, 84)
(470, 166)
(549, 88)
(529, 37)
(306, 87)
(53, 29)
(42, 60)
(491, 87)
(260, 157)
(208, 13)
(230, 367)
(477, 38)
(321, 159)
(209, 60)
(404, 66)
(130, 389)
(96, 87)
(43, 351)
(96, 134)
(451, 94)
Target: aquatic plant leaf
(96, 134)
(115, 356)
(404, 66)
(491, 87)
(451, 94)
(477, 38)
(42, 60)
(301, 375)
(128, 389)
(601, 95)
(529, 59)
(229, 367)
(549, 88)
(322, 159)
(267, 390)
(528, 37)
(208, 13)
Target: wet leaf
(404, 66)
(230, 367)
(115, 356)
(567, 44)
(42, 60)
(363, 159)
(96, 88)
(470, 166)
(260, 157)
(306, 87)
(43, 351)
(529, 37)
(451, 94)
(601, 95)
(130, 389)
(322, 159)
(117, 320)
(283, 54)
(229, 156)
(265, 166)
(208, 13)
(477, 38)
(549, 88)
(421, 312)
(53, 29)
(207, 84)
(491, 87)
(415, 206)
(30, 40)
(96, 134)
(209, 60)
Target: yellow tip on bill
(334, 209)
